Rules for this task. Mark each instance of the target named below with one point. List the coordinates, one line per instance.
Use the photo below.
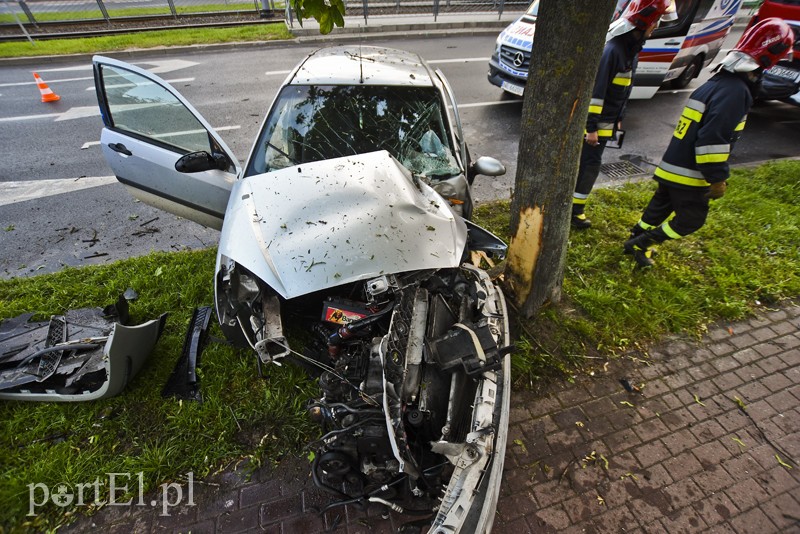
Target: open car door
(160, 147)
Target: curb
(306, 35)
(311, 35)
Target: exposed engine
(409, 375)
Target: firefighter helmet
(761, 46)
(641, 14)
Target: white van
(676, 52)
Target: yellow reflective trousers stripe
(681, 179)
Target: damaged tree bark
(570, 36)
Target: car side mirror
(201, 161)
(488, 166)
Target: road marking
(430, 62)
(80, 112)
(484, 104)
(29, 117)
(48, 82)
(161, 67)
(88, 144)
(171, 82)
(11, 192)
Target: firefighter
(694, 167)
(612, 87)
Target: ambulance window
(680, 27)
(702, 11)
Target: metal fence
(45, 11)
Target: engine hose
(349, 330)
(370, 497)
(320, 484)
(399, 509)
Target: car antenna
(360, 63)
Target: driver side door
(148, 128)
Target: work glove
(717, 190)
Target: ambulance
(674, 55)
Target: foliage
(327, 12)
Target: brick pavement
(682, 455)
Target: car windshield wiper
(290, 158)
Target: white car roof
(367, 65)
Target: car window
(312, 123)
(143, 108)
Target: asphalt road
(60, 206)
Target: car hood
(519, 34)
(319, 225)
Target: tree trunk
(570, 35)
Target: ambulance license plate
(513, 88)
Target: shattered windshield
(312, 123)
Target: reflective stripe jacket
(711, 122)
(612, 85)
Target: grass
(242, 416)
(746, 256)
(149, 39)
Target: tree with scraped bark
(570, 35)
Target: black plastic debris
(630, 388)
(85, 354)
(183, 383)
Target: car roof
(367, 65)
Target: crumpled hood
(318, 225)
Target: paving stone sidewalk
(710, 443)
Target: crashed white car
(347, 227)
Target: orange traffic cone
(47, 94)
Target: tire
(689, 73)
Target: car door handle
(119, 147)
(672, 43)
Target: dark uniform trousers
(588, 171)
(690, 208)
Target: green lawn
(151, 39)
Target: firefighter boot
(639, 247)
(636, 230)
(579, 221)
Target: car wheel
(689, 73)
